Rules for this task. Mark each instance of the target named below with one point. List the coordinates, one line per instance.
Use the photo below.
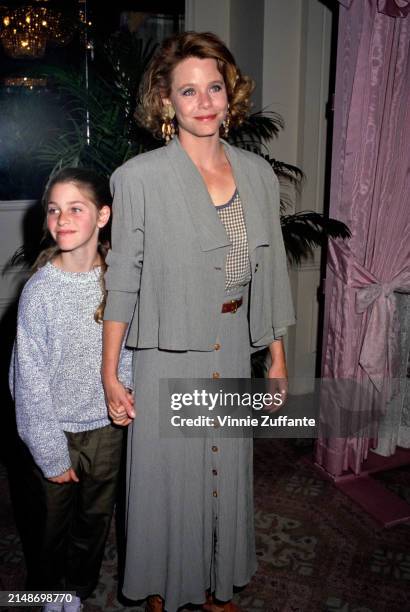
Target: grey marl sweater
(55, 374)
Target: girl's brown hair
(97, 190)
(156, 83)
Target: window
(52, 43)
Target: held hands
(68, 476)
(120, 402)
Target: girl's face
(73, 219)
(199, 97)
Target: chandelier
(26, 30)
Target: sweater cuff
(56, 469)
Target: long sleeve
(282, 292)
(37, 423)
(125, 373)
(124, 260)
(279, 332)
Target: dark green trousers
(72, 520)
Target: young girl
(56, 383)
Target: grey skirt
(189, 518)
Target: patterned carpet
(317, 551)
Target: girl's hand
(68, 476)
(120, 402)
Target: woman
(198, 272)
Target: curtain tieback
(380, 352)
(368, 295)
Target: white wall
(246, 41)
(314, 92)
(209, 16)
(281, 72)
(11, 237)
(297, 40)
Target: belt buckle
(234, 306)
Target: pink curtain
(370, 192)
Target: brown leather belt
(232, 305)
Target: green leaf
(304, 231)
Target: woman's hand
(120, 402)
(68, 476)
(278, 372)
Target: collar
(211, 232)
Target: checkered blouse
(238, 268)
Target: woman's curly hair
(156, 83)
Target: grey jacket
(166, 269)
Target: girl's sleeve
(125, 374)
(37, 424)
(124, 261)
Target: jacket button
(216, 375)
(217, 346)
(214, 449)
(215, 494)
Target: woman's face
(199, 97)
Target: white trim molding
(16, 205)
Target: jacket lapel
(211, 233)
(250, 193)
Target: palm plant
(99, 106)
(303, 231)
